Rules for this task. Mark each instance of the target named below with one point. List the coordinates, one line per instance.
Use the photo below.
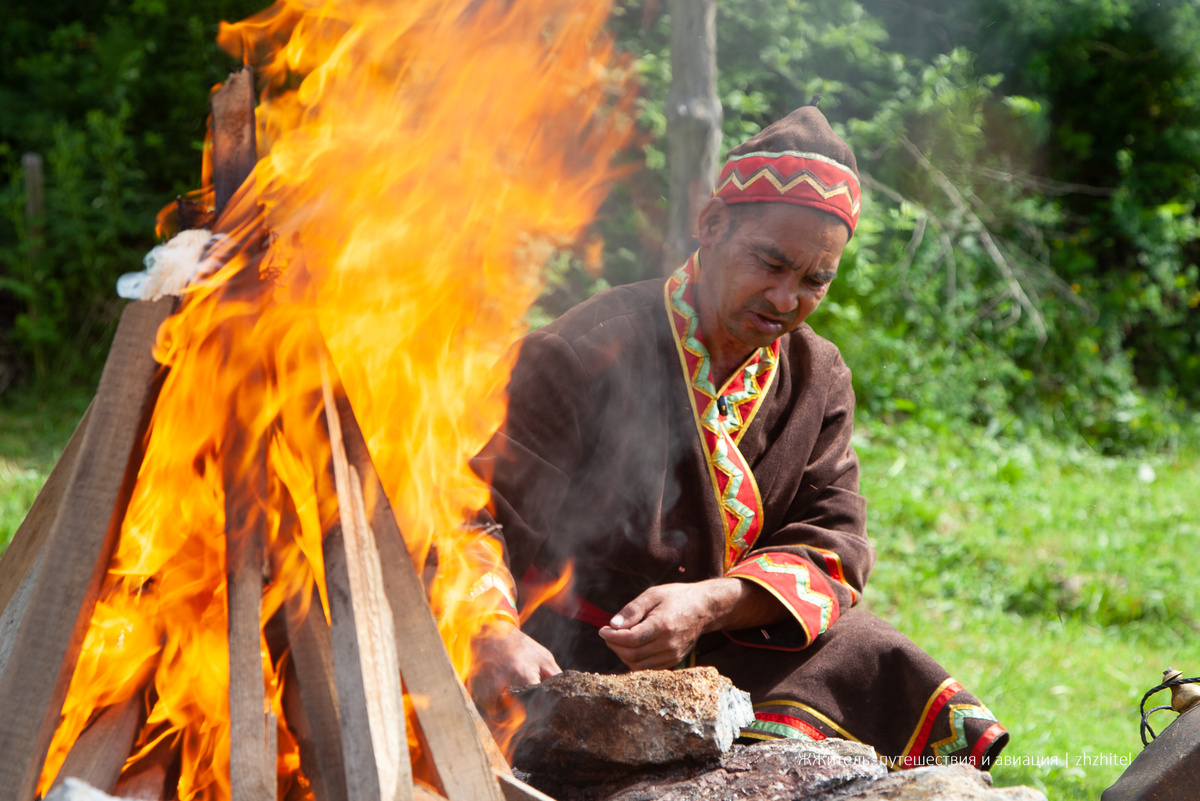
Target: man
(682, 451)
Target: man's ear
(713, 223)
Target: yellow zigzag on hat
(803, 177)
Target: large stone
(794, 770)
(942, 783)
(584, 725)
(780, 769)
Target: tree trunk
(693, 122)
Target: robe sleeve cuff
(496, 592)
(802, 589)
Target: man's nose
(784, 295)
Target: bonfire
(339, 355)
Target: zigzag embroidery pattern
(804, 590)
(731, 429)
(700, 379)
(784, 184)
(735, 541)
(752, 391)
(763, 363)
(785, 706)
(701, 375)
(724, 434)
(959, 715)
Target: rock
(942, 783)
(779, 769)
(585, 725)
(794, 770)
(666, 736)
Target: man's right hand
(507, 657)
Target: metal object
(1183, 696)
(1168, 768)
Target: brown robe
(600, 468)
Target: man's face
(764, 268)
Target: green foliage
(113, 96)
(568, 282)
(63, 263)
(1094, 128)
(1026, 257)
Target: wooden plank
(513, 788)
(26, 544)
(233, 146)
(423, 793)
(361, 767)
(101, 750)
(149, 777)
(516, 790)
(11, 618)
(310, 701)
(445, 713)
(370, 696)
(495, 756)
(75, 553)
(20, 560)
(251, 763)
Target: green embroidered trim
(780, 730)
(959, 715)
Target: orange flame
(419, 162)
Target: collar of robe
(722, 414)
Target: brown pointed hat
(798, 160)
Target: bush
(114, 99)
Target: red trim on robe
(986, 739)
(833, 566)
(951, 689)
(505, 609)
(798, 584)
(794, 722)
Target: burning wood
(219, 557)
(65, 553)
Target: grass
(32, 436)
(1054, 583)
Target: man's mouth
(767, 324)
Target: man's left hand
(657, 629)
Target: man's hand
(657, 629)
(507, 657)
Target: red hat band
(803, 179)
